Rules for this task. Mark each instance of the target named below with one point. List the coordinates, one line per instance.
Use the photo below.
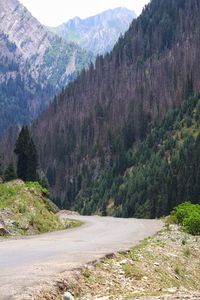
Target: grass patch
(187, 252)
(132, 271)
(26, 210)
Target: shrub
(188, 215)
(192, 224)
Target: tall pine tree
(27, 156)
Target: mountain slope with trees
(16, 94)
(113, 105)
(160, 173)
(34, 65)
(98, 33)
(26, 210)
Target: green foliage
(7, 194)
(132, 271)
(192, 224)
(160, 173)
(43, 181)
(59, 55)
(10, 172)
(1, 166)
(37, 187)
(27, 156)
(188, 215)
(30, 210)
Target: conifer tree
(10, 173)
(27, 156)
(1, 167)
(31, 162)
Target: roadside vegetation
(159, 173)
(25, 210)
(188, 216)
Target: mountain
(110, 108)
(41, 64)
(113, 105)
(98, 33)
(160, 173)
(14, 90)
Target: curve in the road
(27, 262)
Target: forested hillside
(34, 65)
(113, 105)
(160, 173)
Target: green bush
(192, 224)
(188, 215)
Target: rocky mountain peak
(23, 29)
(98, 33)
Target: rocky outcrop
(3, 230)
(34, 43)
(39, 59)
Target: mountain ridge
(97, 33)
(45, 62)
(113, 105)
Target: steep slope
(44, 63)
(25, 210)
(19, 93)
(98, 117)
(98, 33)
(162, 172)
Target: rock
(124, 261)
(156, 264)
(23, 224)
(3, 230)
(18, 182)
(172, 290)
(145, 278)
(68, 296)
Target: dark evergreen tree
(27, 156)
(1, 167)
(32, 162)
(10, 173)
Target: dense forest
(160, 173)
(112, 106)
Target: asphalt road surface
(26, 262)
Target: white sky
(55, 12)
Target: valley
(99, 150)
(96, 123)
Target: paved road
(26, 262)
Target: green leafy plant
(188, 215)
